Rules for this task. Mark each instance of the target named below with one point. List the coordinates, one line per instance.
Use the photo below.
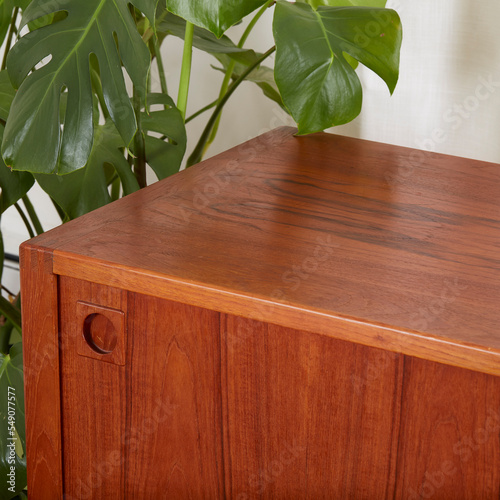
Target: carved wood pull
(103, 333)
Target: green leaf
(86, 189)
(261, 76)
(148, 7)
(12, 405)
(6, 332)
(108, 151)
(13, 185)
(348, 3)
(316, 82)
(46, 20)
(164, 157)
(9, 334)
(102, 27)
(23, 4)
(6, 328)
(6, 11)
(7, 94)
(205, 40)
(214, 15)
(10, 311)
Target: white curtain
(448, 96)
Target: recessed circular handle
(100, 333)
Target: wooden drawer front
(147, 428)
(308, 416)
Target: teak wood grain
(449, 446)
(322, 233)
(41, 374)
(299, 317)
(307, 416)
(93, 402)
(174, 394)
(148, 428)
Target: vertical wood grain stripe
(41, 374)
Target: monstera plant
(79, 114)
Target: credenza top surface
(322, 226)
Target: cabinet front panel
(174, 416)
(307, 416)
(450, 433)
(140, 396)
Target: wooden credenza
(299, 317)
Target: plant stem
(5, 289)
(186, 69)
(232, 65)
(202, 110)
(161, 67)
(150, 32)
(8, 43)
(139, 146)
(59, 211)
(253, 22)
(25, 220)
(32, 215)
(196, 155)
(96, 82)
(223, 90)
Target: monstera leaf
(12, 437)
(164, 157)
(13, 185)
(348, 3)
(6, 14)
(34, 139)
(318, 85)
(205, 40)
(214, 15)
(6, 8)
(262, 76)
(87, 189)
(7, 94)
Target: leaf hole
(157, 135)
(48, 19)
(46, 60)
(156, 107)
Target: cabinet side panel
(174, 443)
(41, 374)
(307, 416)
(93, 400)
(450, 433)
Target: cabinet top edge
(382, 234)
